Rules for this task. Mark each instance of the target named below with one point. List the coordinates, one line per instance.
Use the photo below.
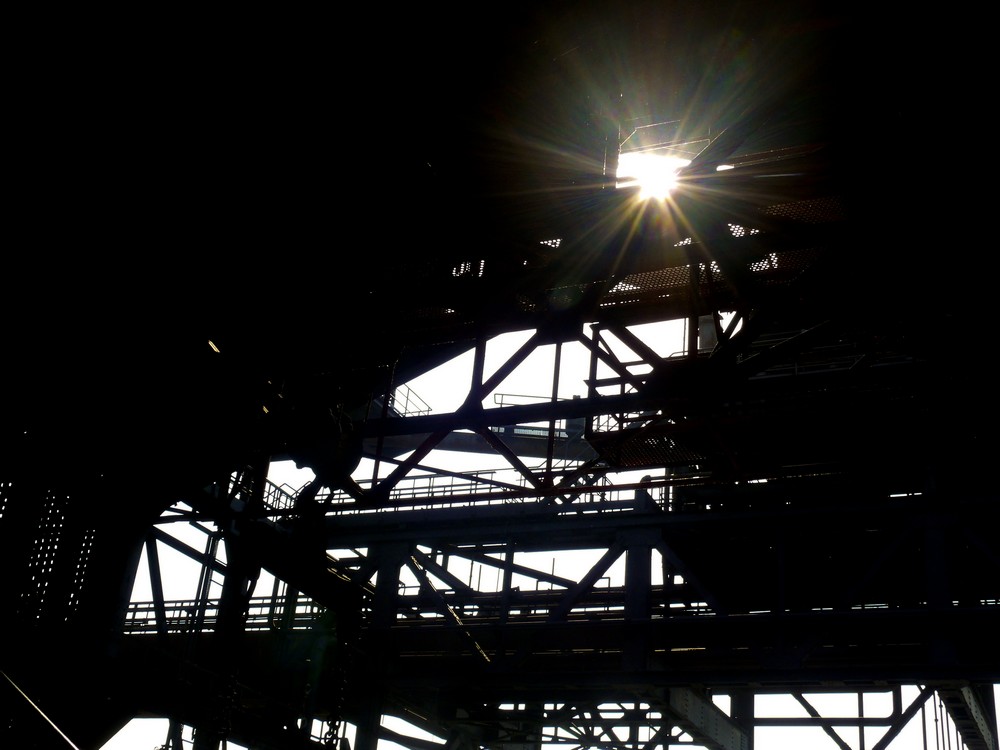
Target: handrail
(183, 616)
(473, 488)
(265, 614)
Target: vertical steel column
(694, 276)
(390, 559)
(508, 578)
(550, 447)
(939, 596)
(741, 710)
(638, 585)
(175, 740)
(385, 414)
(861, 720)
(241, 572)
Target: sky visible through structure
(150, 734)
(444, 390)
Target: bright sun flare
(655, 174)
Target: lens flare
(654, 174)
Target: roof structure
(239, 239)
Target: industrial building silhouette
(238, 240)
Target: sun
(654, 174)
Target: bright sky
(150, 734)
(445, 390)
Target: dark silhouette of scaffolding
(210, 279)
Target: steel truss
(413, 543)
(796, 497)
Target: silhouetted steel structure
(802, 495)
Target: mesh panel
(815, 211)
(784, 267)
(43, 557)
(562, 298)
(80, 571)
(434, 313)
(676, 277)
(646, 449)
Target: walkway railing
(443, 490)
(193, 616)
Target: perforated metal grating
(649, 449)
(814, 211)
(80, 571)
(43, 558)
(785, 266)
(664, 282)
(774, 268)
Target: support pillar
(741, 710)
(638, 586)
(390, 559)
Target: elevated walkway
(562, 439)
